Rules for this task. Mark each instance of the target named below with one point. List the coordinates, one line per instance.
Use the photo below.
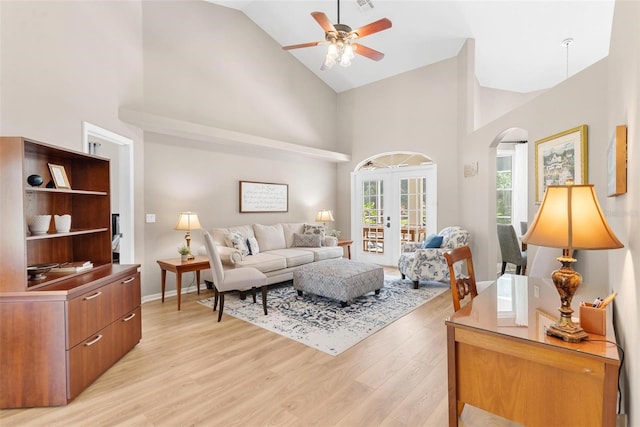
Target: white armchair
(429, 264)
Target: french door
(391, 207)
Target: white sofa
(278, 256)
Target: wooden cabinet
(60, 332)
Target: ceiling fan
(340, 38)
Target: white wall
(623, 212)
(66, 62)
(215, 67)
(414, 111)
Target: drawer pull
(93, 341)
(96, 295)
(129, 317)
(129, 280)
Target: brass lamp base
(566, 281)
(575, 334)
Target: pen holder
(593, 320)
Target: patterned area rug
(321, 323)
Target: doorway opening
(395, 201)
(119, 149)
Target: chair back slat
(461, 285)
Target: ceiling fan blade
(324, 22)
(367, 51)
(371, 28)
(298, 46)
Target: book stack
(73, 267)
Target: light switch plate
(151, 218)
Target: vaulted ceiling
(518, 42)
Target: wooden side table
(347, 243)
(179, 267)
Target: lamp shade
(188, 221)
(570, 218)
(324, 216)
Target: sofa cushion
(289, 229)
(218, 233)
(325, 252)
(294, 256)
(315, 229)
(306, 240)
(237, 241)
(264, 262)
(254, 248)
(432, 241)
(269, 236)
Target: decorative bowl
(36, 271)
(62, 222)
(35, 180)
(39, 224)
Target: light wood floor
(189, 370)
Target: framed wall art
(59, 176)
(263, 197)
(559, 158)
(617, 163)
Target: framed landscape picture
(559, 158)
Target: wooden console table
(500, 359)
(179, 267)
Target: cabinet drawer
(89, 359)
(89, 313)
(92, 357)
(129, 332)
(126, 295)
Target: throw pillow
(307, 240)
(236, 241)
(432, 241)
(320, 230)
(254, 249)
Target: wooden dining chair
(461, 285)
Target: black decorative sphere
(35, 180)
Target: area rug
(321, 323)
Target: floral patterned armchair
(429, 264)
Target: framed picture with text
(263, 197)
(559, 158)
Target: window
(504, 188)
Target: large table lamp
(324, 216)
(569, 218)
(186, 222)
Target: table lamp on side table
(186, 222)
(569, 218)
(324, 216)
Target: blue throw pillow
(432, 241)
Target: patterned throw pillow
(236, 241)
(320, 230)
(307, 240)
(254, 249)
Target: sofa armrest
(330, 241)
(430, 263)
(228, 256)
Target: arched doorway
(394, 201)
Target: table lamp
(569, 218)
(186, 222)
(324, 216)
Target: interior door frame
(90, 133)
(391, 178)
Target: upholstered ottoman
(340, 279)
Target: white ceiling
(518, 42)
